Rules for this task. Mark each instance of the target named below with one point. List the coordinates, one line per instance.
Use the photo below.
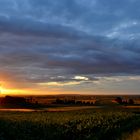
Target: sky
(70, 47)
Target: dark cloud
(40, 40)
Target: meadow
(89, 124)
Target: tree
(118, 100)
(131, 101)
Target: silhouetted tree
(59, 101)
(79, 102)
(118, 100)
(131, 101)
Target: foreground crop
(76, 125)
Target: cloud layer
(52, 41)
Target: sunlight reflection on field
(17, 109)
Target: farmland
(87, 124)
(67, 120)
(134, 136)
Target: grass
(72, 125)
(132, 136)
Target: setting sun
(4, 91)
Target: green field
(87, 124)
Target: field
(105, 120)
(134, 136)
(87, 124)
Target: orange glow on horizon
(32, 92)
(11, 91)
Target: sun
(5, 91)
(1, 89)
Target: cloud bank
(50, 41)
